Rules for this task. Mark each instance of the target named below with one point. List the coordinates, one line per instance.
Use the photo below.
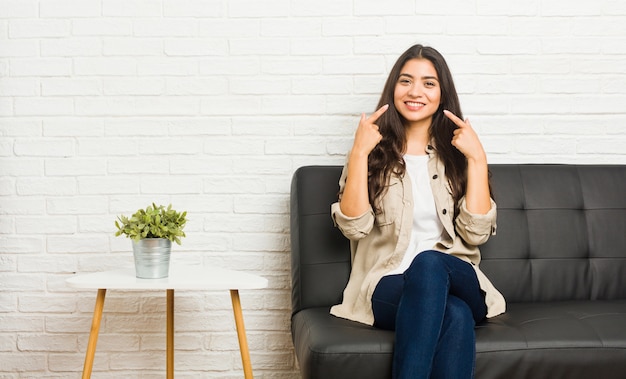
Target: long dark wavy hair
(386, 158)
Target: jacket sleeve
(353, 228)
(475, 229)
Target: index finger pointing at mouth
(454, 118)
(376, 115)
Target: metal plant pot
(152, 257)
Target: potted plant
(152, 231)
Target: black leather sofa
(559, 258)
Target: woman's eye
(430, 84)
(405, 81)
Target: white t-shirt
(427, 228)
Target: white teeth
(411, 104)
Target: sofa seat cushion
(574, 339)
(571, 339)
(330, 347)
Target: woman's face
(417, 94)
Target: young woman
(415, 203)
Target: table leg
(170, 334)
(93, 335)
(241, 334)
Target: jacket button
(435, 176)
(444, 211)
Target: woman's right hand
(355, 199)
(367, 135)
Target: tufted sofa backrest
(320, 254)
(561, 234)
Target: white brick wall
(108, 105)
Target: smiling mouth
(414, 105)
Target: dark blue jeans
(433, 307)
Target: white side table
(181, 277)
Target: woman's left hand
(466, 141)
(465, 138)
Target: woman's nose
(415, 90)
